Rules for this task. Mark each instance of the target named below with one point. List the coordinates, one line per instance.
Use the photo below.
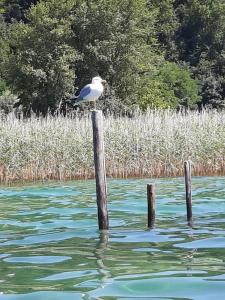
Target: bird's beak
(104, 81)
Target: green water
(51, 249)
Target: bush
(170, 87)
(7, 100)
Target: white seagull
(91, 92)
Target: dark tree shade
(15, 9)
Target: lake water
(51, 249)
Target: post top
(97, 111)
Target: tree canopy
(160, 54)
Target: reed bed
(151, 144)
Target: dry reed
(151, 144)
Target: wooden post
(187, 174)
(151, 205)
(100, 174)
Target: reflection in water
(50, 246)
(101, 248)
(189, 255)
(189, 260)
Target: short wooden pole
(187, 175)
(151, 205)
(100, 174)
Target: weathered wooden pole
(187, 175)
(100, 174)
(151, 205)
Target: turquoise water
(51, 249)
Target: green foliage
(4, 45)
(171, 87)
(192, 32)
(2, 86)
(202, 29)
(40, 69)
(82, 38)
(4, 52)
(153, 53)
(7, 101)
(167, 24)
(2, 6)
(200, 42)
(16, 9)
(111, 37)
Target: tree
(16, 9)
(7, 100)
(41, 68)
(114, 41)
(200, 41)
(160, 57)
(80, 39)
(4, 52)
(171, 87)
(167, 24)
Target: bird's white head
(98, 80)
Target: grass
(153, 144)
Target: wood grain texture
(100, 173)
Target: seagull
(91, 92)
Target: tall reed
(152, 144)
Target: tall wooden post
(187, 175)
(100, 174)
(151, 205)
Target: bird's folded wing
(84, 92)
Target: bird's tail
(74, 97)
(80, 101)
(76, 100)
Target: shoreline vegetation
(150, 144)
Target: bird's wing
(84, 92)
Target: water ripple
(51, 248)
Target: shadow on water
(50, 246)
